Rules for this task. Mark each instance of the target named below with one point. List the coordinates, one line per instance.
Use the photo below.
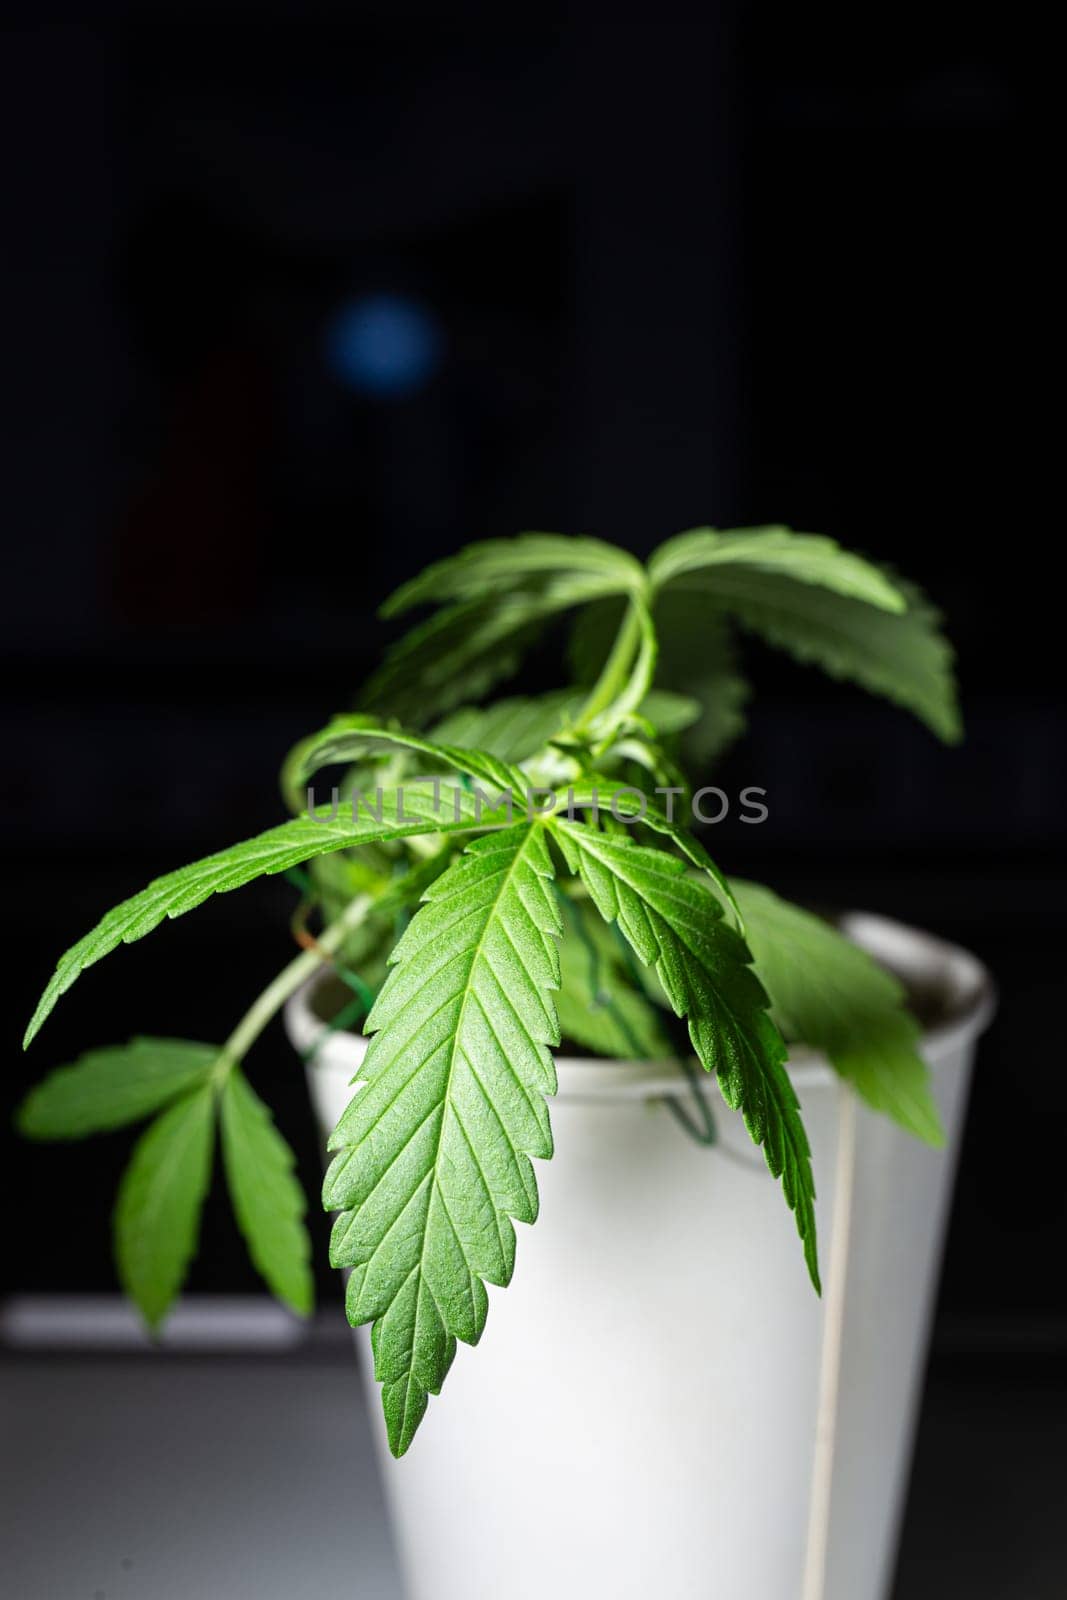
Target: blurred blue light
(383, 345)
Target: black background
(782, 264)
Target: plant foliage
(495, 878)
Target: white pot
(660, 1404)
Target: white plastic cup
(659, 1403)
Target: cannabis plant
(492, 878)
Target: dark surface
(266, 1488)
(985, 1505)
(270, 1489)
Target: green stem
(701, 1128)
(615, 669)
(289, 980)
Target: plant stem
(289, 980)
(614, 671)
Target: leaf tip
(153, 1313)
(404, 1405)
(931, 1130)
(811, 1256)
(301, 1301)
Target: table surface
(167, 1476)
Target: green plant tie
(701, 1127)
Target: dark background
(783, 264)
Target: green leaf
(351, 736)
(829, 994)
(900, 654)
(157, 1213)
(513, 729)
(675, 924)
(493, 599)
(406, 812)
(592, 635)
(697, 654)
(516, 728)
(435, 1147)
(455, 655)
(526, 561)
(268, 1201)
(905, 658)
(602, 793)
(803, 557)
(107, 1089)
(669, 713)
(598, 1005)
